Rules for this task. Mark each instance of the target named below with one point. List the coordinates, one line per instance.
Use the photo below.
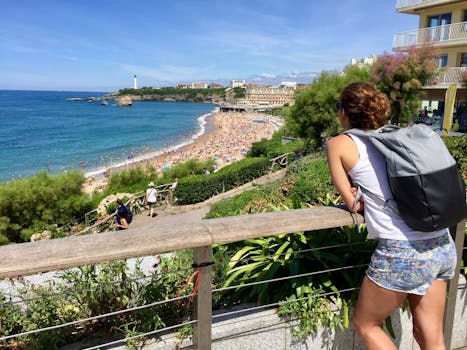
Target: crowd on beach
(228, 137)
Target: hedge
(198, 188)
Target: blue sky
(98, 45)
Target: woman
(407, 263)
(121, 217)
(151, 199)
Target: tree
(313, 115)
(401, 76)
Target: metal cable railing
(201, 236)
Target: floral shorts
(412, 266)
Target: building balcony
(413, 6)
(447, 77)
(439, 36)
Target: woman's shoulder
(339, 141)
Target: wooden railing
(32, 258)
(136, 204)
(281, 161)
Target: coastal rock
(124, 101)
(169, 99)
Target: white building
(237, 83)
(363, 61)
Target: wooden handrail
(31, 258)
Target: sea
(42, 130)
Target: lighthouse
(135, 85)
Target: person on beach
(121, 217)
(151, 199)
(406, 264)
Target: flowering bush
(401, 76)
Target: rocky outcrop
(124, 101)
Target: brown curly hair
(365, 105)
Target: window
(465, 15)
(438, 25)
(440, 20)
(442, 60)
(463, 62)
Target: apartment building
(266, 95)
(443, 25)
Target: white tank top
(370, 172)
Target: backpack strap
(387, 205)
(353, 211)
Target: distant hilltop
(241, 93)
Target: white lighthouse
(135, 84)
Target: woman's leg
(374, 305)
(428, 313)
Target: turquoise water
(40, 130)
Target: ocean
(41, 130)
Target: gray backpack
(422, 174)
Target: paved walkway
(195, 212)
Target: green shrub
(313, 184)
(190, 167)
(304, 163)
(273, 148)
(457, 145)
(29, 205)
(264, 198)
(197, 188)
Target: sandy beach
(227, 137)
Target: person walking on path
(151, 199)
(406, 264)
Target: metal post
(458, 235)
(203, 301)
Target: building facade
(442, 25)
(266, 95)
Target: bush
(29, 205)
(457, 145)
(195, 189)
(313, 184)
(273, 148)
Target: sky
(99, 45)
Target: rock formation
(124, 101)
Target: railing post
(458, 234)
(203, 302)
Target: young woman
(151, 199)
(406, 263)
(121, 217)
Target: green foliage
(184, 94)
(239, 92)
(273, 148)
(129, 180)
(401, 76)
(314, 115)
(190, 167)
(94, 290)
(262, 199)
(312, 184)
(311, 310)
(197, 188)
(279, 256)
(30, 205)
(457, 145)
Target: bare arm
(123, 224)
(342, 156)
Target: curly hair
(365, 105)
